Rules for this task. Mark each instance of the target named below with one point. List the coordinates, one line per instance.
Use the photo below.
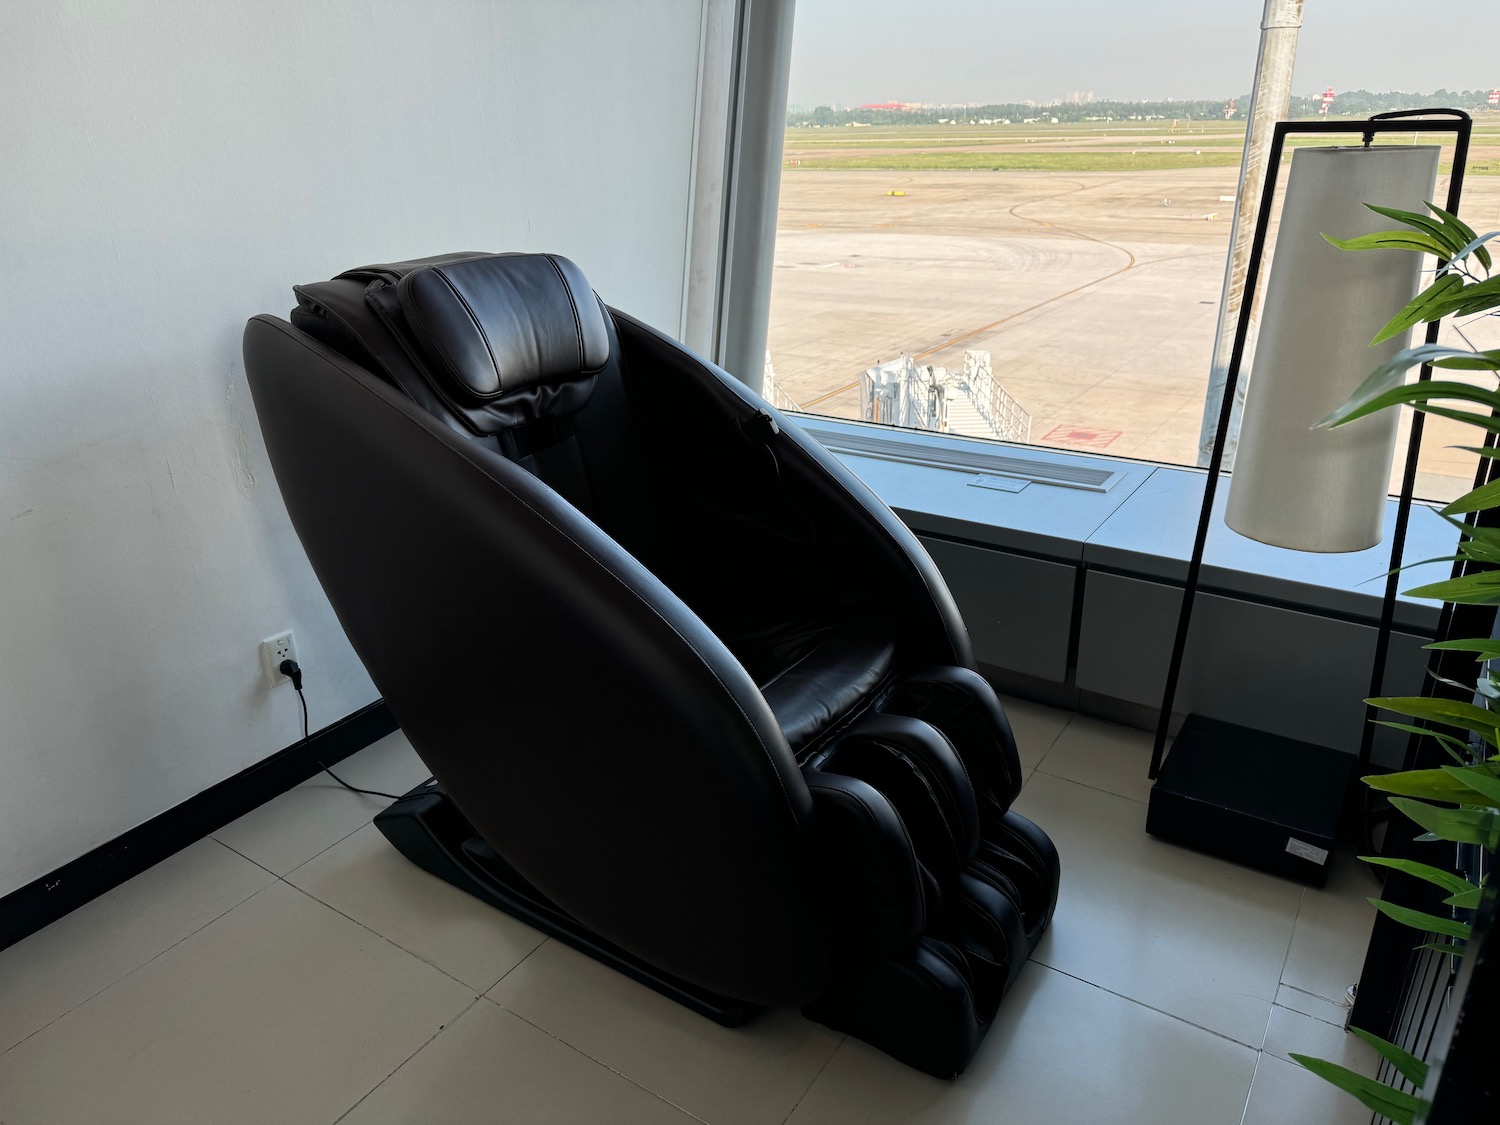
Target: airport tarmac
(1095, 293)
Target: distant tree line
(1357, 103)
(1362, 103)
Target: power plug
(273, 650)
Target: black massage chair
(695, 702)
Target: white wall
(168, 169)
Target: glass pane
(1044, 270)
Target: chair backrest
(749, 521)
(507, 349)
(584, 720)
(487, 342)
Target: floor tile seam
(579, 1050)
(1265, 1031)
(486, 992)
(1152, 1008)
(1291, 939)
(424, 1045)
(137, 968)
(1316, 1019)
(1053, 741)
(837, 1047)
(1249, 1093)
(336, 843)
(393, 944)
(1086, 785)
(243, 856)
(1312, 996)
(301, 863)
(1340, 1000)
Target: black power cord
(293, 671)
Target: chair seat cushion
(835, 674)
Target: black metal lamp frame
(1414, 121)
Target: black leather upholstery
(497, 326)
(828, 679)
(691, 695)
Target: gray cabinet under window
(1018, 609)
(1271, 668)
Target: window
(1014, 224)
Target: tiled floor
(296, 969)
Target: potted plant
(1458, 801)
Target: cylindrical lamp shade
(1325, 490)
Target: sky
(849, 52)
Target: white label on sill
(1000, 484)
(1303, 850)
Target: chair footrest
(930, 1006)
(917, 1008)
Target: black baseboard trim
(40, 903)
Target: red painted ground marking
(1081, 437)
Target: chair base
(930, 1008)
(426, 827)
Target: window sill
(1142, 525)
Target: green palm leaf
(1387, 377)
(1419, 920)
(1486, 650)
(1485, 496)
(1398, 1105)
(1424, 871)
(1428, 785)
(1471, 589)
(1433, 303)
(1475, 243)
(1449, 712)
(1481, 779)
(1391, 240)
(1445, 232)
(1462, 826)
(1411, 1068)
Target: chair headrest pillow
(507, 323)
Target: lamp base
(1268, 802)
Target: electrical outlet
(273, 650)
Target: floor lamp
(1272, 802)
